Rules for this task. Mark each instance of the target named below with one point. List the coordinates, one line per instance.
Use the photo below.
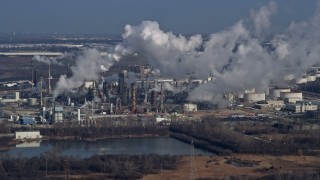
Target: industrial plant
(138, 91)
(240, 103)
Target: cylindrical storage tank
(32, 102)
(301, 80)
(311, 78)
(254, 97)
(252, 90)
(275, 93)
(296, 95)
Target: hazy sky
(110, 16)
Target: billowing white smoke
(235, 56)
(47, 60)
(87, 67)
(163, 50)
(261, 18)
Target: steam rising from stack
(88, 66)
(235, 56)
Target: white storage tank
(311, 78)
(275, 92)
(252, 90)
(296, 95)
(254, 97)
(301, 80)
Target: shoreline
(101, 138)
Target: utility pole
(46, 167)
(193, 168)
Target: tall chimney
(49, 79)
(134, 98)
(43, 112)
(79, 115)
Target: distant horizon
(109, 17)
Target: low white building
(190, 107)
(271, 104)
(162, 119)
(15, 98)
(301, 108)
(275, 103)
(27, 135)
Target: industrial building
(26, 120)
(190, 107)
(270, 105)
(58, 114)
(10, 98)
(254, 97)
(301, 107)
(27, 135)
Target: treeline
(54, 166)
(213, 135)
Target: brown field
(217, 168)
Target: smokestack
(111, 108)
(41, 97)
(54, 111)
(49, 79)
(105, 91)
(32, 74)
(134, 98)
(34, 77)
(79, 115)
(43, 112)
(161, 100)
(122, 88)
(118, 105)
(153, 97)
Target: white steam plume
(87, 67)
(235, 57)
(47, 60)
(261, 18)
